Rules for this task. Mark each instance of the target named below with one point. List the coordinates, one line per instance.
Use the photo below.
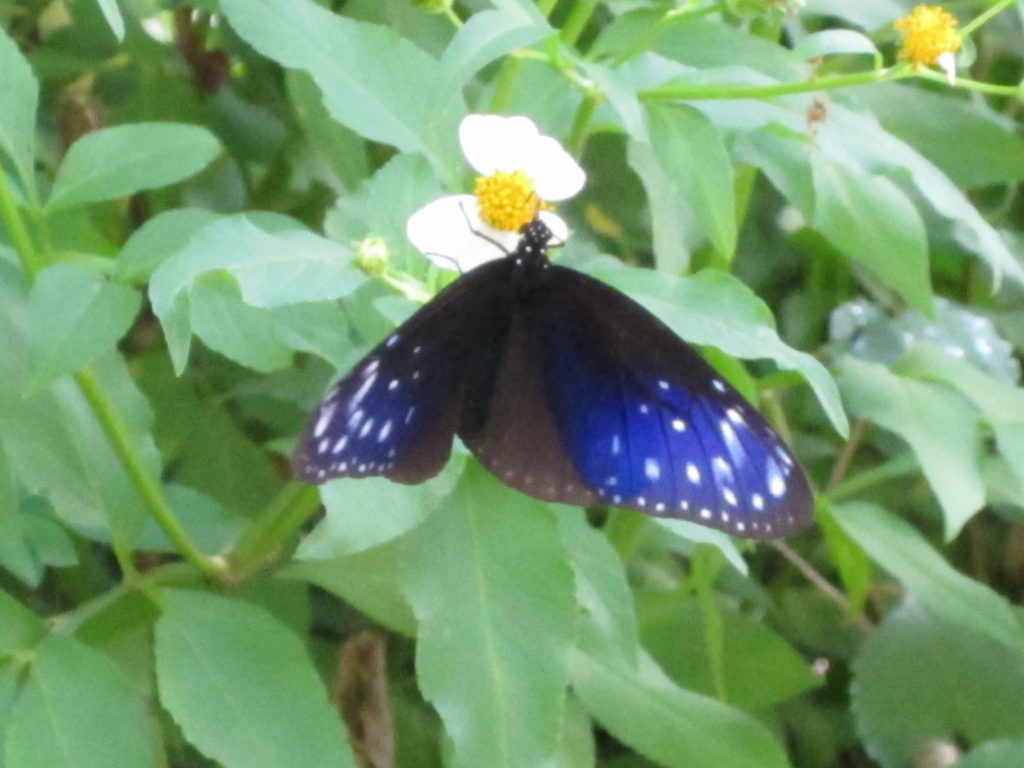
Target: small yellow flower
(929, 36)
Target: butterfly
(566, 390)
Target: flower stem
(16, 229)
(983, 17)
(574, 25)
(262, 540)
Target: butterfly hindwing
(396, 412)
(649, 425)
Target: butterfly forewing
(649, 425)
(396, 412)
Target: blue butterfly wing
(649, 425)
(396, 412)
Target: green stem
(578, 133)
(120, 438)
(981, 18)
(504, 83)
(706, 562)
(17, 230)
(577, 21)
(262, 540)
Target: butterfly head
(535, 237)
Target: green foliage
(182, 192)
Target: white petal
(556, 175)
(448, 232)
(559, 229)
(947, 63)
(494, 143)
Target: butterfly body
(566, 390)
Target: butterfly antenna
(445, 257)
(478, 233)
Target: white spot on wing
(692, 472)
(652, 469)
(384, 431)
(340, 445)
(678, 425)
(325, 418)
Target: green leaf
(112, 13)
(75, 314)
(925, 416)
(477, 599)
(122, 160)
(272, 265)
(19, 627)
(242, 687)
(760, 668)
(831, 42)
(18, 107)
(675, 727)
(893, 247)
(1001, 404)
(76, 711)
(672, 226)
(716, 309)
(378, 84)
(942, 591)
(15, 553)
(927, 121)
(486, 36)
(692, 154)
(158, 239)
(918, 679)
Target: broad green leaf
(15, 553)
(19, 627)
(942, 591)
(925, 416)
(371, 580)
(696, 533)
(124, 159)
(759, 667)
(18, 106)
(242, 687)
(158, 239)
(715, 309)
(58, 450)
(929, 121)
(489, 582)
(76, 711)
(997, 753)
(1001, 404)
(834, 41)
(486, 36)
(112, 13)
(893, 247)
(918, 679)
(273, 267)
(673, 726)
(602, 589)
(672, 228)
(692, 154)
(10, 688)
(374, 82)
(75, 314)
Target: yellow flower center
(506, 200)
(928, 32)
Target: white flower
(947, 63)
(520, 170)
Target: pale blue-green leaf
(371, 511)
(602, 590)
(783, 159)
(929, 121)
(925, 416)
(273, 268)
(206, 521)
(256, 337)
(1001, 404)
(58, 450)
(20, 628)
(378, 84)
(716, 309)
(997, 753)
(621, 94)
(918, 680)
(121, 160)
(477, 600)
(112, 13)
(701, 534)
(15, 552)
(158, 239)
(940, 589)
(576, 747)
(834, 41)
(76, 711)
(370, 580)
(18, 107)
(675, 727)
(242, 686)
(75, 314)
(704, 44)
(868, 14)
(487, 36)
(693, 155)
(893, 247)
(673, 231)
